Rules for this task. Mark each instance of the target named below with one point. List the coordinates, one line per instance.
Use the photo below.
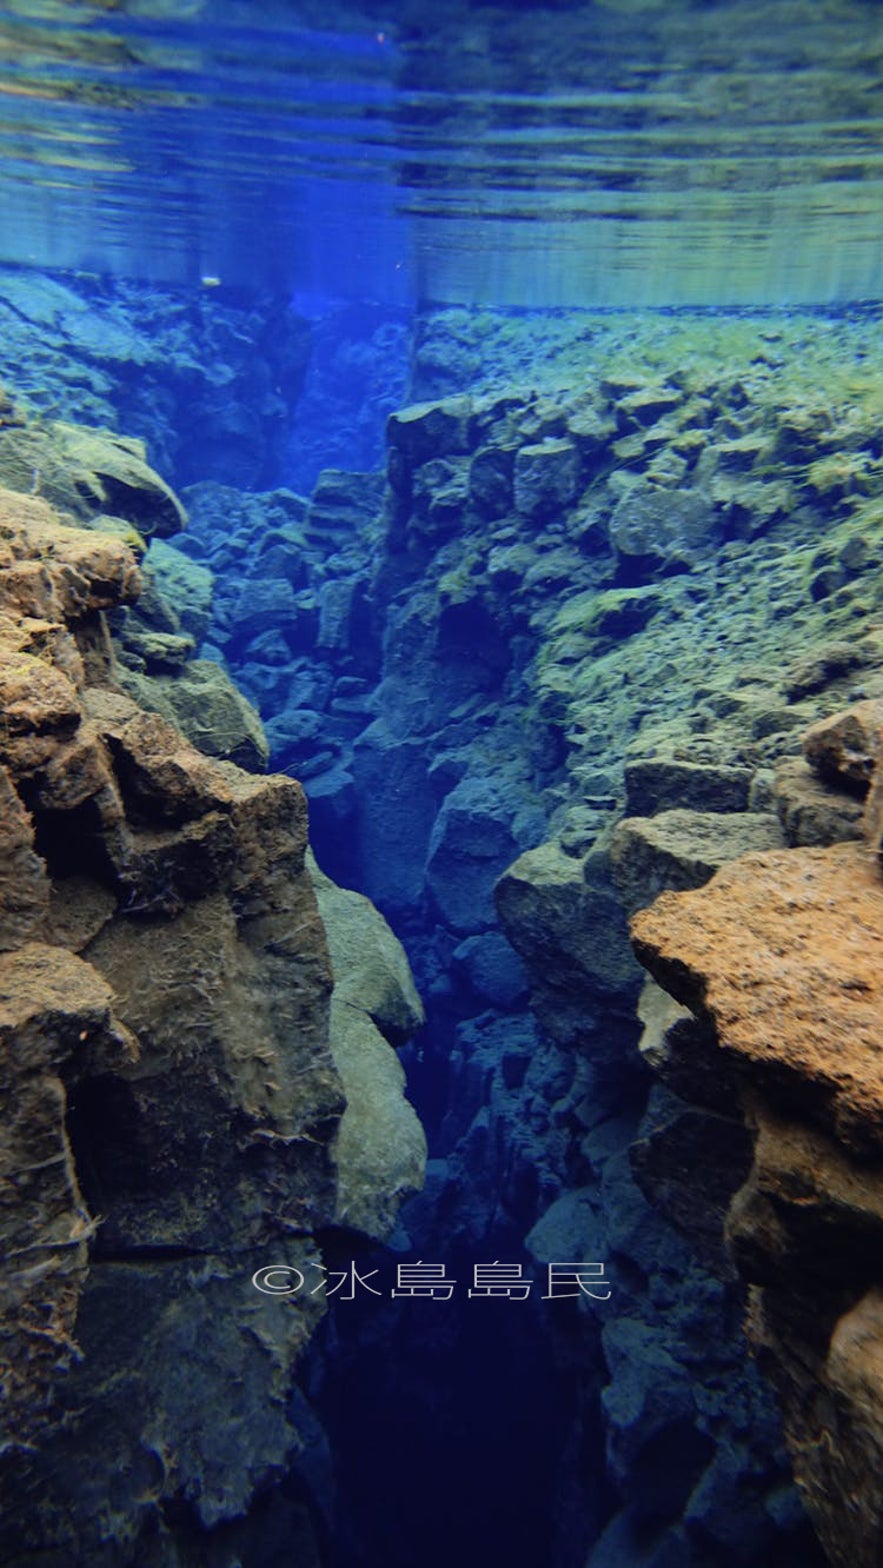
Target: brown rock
(780, 957)
(827, 1363)
(55, 1023)
(843, 749)
(40, 711)
(58, 573)
(813, 812)
(24, 885)
(782, 952)
(809, 1208)
(873, 818)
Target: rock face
(172, 1116)
(779, 958)
(567, 600)
(380, 1147)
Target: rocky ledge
(778, 959)
(183, 1102)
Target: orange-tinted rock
(781, 957)
(784, 953)
(40, 711)
(56, 572)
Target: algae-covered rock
(672, 526)
(472, 841)
(569, 932)
(380, 1147)
(184, 584)
(371, 970)
(88, 472)
(203, 702)
(666, 783)
(682, 849)
(429, 430)
(546, 477)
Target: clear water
(629, 152)
(351, 166)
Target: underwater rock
(660, 783)
(202, 701)
(811, 810)
(778, 957)
(873, 820)
(670, 526)
(24, 885)
(546, 477)
(88, 472)
(682, 849)
(739, 951)
(570, 933)
(170, 1099)
(56, 1026)
(843, 749)
(184, 584)
(371, 971)
(473, 840)
(429, 430)
(491, 969)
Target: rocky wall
(620, 594)
(777, 960)
(186, 1099)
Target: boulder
(428, 430)
(184, 584)
(570, 932)
(682, 849)
(673, 527)
(472, 842)
(813, 811)
(87, 472)
(491, 969)
(371, 971)
(843, 748)
(380, 1148)
(666, 783)
(205, 705)
(546, 477)
(779, 952)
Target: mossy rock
(203, 703)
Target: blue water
(579, 155)
(249, 234)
